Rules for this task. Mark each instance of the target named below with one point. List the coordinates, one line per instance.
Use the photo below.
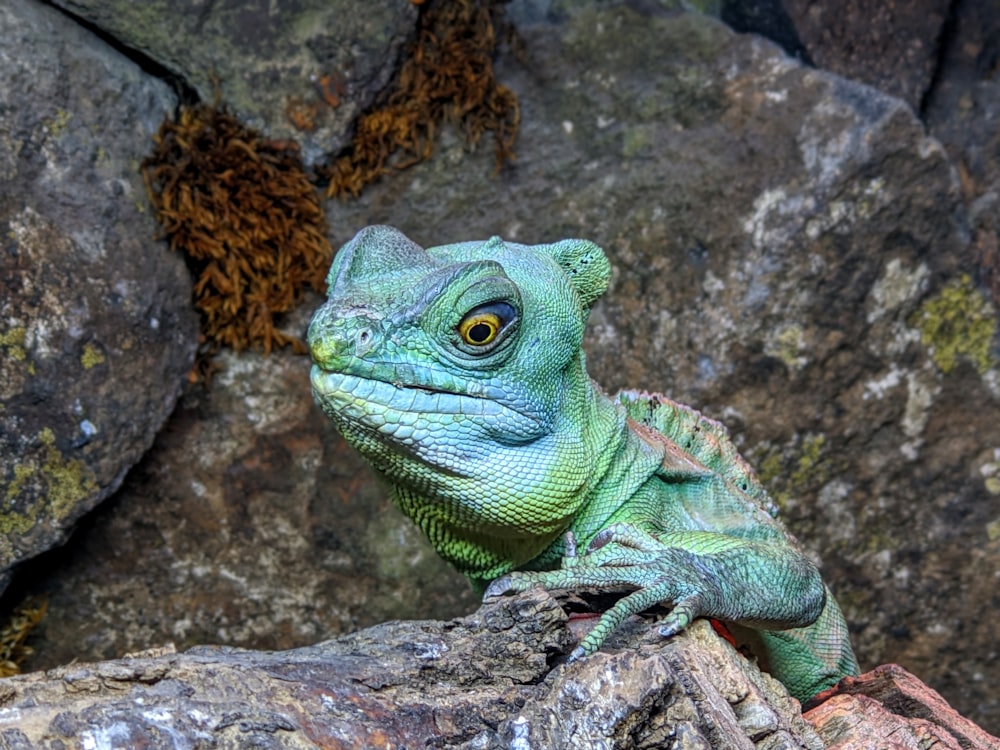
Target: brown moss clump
(448, 77)
(14, 636)
(243, 210)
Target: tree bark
(496, 678)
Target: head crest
(586, 265)
(373, 252)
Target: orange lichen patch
(14, 636)
(301, 114)
(331, 88)
(243, 210)
(447, 76)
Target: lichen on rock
(958, 323)
(62, 481)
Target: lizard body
(458, 372)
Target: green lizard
(458, 373)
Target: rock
(894, 47)
(962, 111)
(302, 70)
(97, 330)
(496, 678)
(488, 680)
(890, 707)
(963, 108)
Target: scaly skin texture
(458, 373)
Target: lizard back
(705, 439)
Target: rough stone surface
(96, 331)
(963, 112)
(489, 680)
(495, 679)
(301, 69)
(894, 46)
(889, 707)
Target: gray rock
(962, 111)
(313, 62)
(495, 679)
(96, 328)
(489, 680)
(893, 46)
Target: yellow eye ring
(479, 329)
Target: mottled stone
(962, 111)
(96, 330)
(302, 69)
(494, 679)
(889, 707)
(893, 46)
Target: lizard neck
(622, 461)
(514, 511)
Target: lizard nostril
(363, 340)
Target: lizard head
(445, 357)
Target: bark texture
(497, 678)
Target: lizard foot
(621, 555)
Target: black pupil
(480, 332)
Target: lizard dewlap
(457, 371)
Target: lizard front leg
(699, 573)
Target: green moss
(769, 468)
(993, 530)
(959, 322)
(795, 469)
(788, 345)
(91, 357)
(13, 522)
(809, 469)
(636, 141)
(15, 343)
(57, 124)
(60, 481)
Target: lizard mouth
(411, 412)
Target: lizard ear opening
(586, 265)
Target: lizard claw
(570, 542)
(501, 586)
(681, 616)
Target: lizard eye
(482, 325)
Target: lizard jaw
(409, 414)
